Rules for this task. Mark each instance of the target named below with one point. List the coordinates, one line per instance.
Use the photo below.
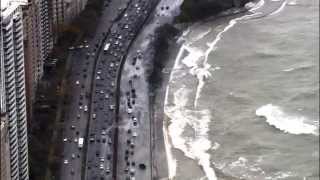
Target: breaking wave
(196, 144)
(285, 122)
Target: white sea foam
(283, 5)
(288, 70)
(280, 175)
(196, 146)
(204, 73)
(292, 3)
(254, 7)
(200, 35)
(286, 123)
(181, 116)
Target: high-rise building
(64, 12)
(38, 45)
(13, 98)
(4, 153)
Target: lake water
(243, 96)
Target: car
(112, 107)
(106, 96)
(65, 139)
(66, 161)
(134, 119)
(101, 166)
(101, 92)
(75, 140)
(72, 127)
(103, 132)
(134, 134)
(72, 172)
(91, 139)
(77, 82)
(101, 159)
(98, 77)
(94, 116)
(71, 48)
(99, 72)
(80, 46)
(85, 108)
(109, 140)
(112, 84)
(80, 107)
(78, 116)
(73, 156)
(129, 110)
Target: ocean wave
(181, 116)
(193, 146)
(283, 5)
(284, 122)
(301, 67)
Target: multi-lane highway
(93, 79)
(101, 161)
(83, 57)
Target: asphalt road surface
(76, 123)
(100, 155)
(93, 83)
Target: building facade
(4, 153)
(64, 12)
(38, 44)
(13, 87)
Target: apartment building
(38, 44)
(4, 153)
(64, 12)
(13, 98)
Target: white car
(66, 161)
(129, 110)
(99, 72)
(94, 115)
(65, 139)
(134, 134)
(71, 48)
(101, 92)
(80, 107)
(98, 77)
(73, 156)
(85, 108)
(75, 140)
(106, 96)
(77, 82)
(101, 166)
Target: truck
(80, 143)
